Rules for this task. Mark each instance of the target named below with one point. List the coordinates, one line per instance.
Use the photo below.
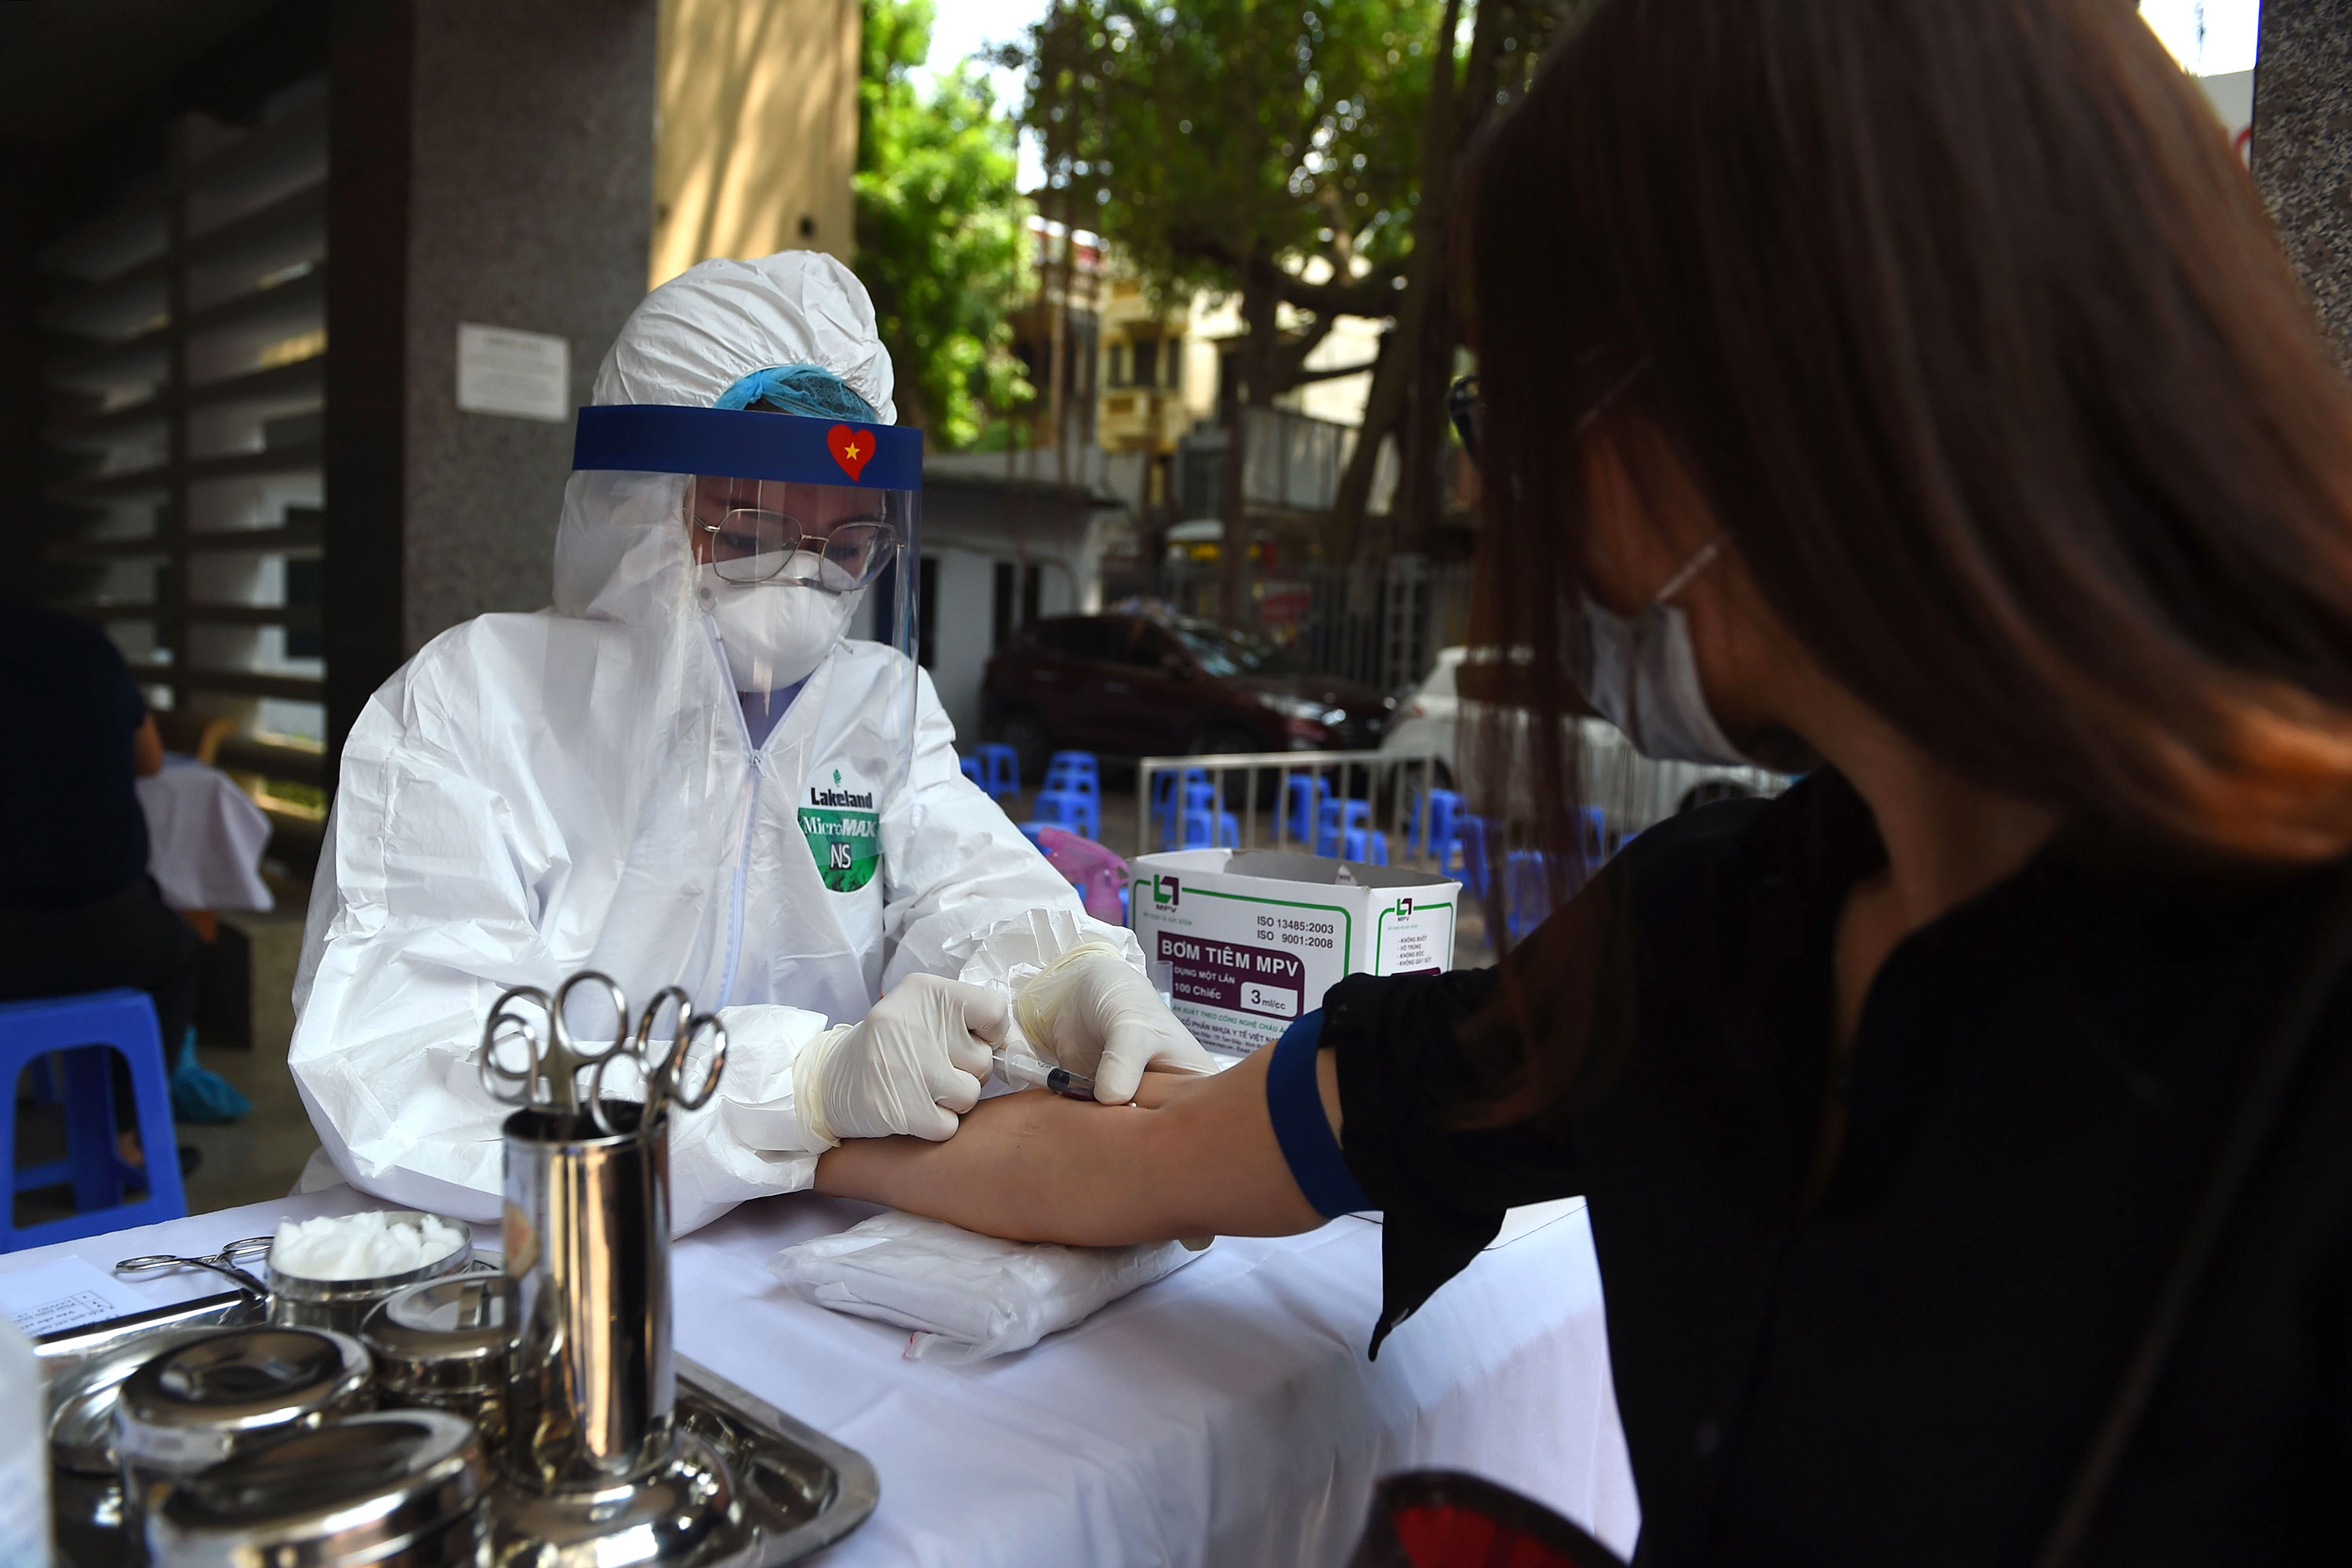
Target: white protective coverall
(535, 794)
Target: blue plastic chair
(1000, 770)
(1365, 845)
(83, 1029)
(1068, 808)
(1337, 817)
(972, 771)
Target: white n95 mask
(1641, 673)
(775, 634)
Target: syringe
(1028, 1072)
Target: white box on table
(1254, 938)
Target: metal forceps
(227, 1261)
(548, 1078)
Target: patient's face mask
(1641, 673)
(783, 568)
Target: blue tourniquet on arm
(1295, 1108)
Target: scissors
(548, 1078)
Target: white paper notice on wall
(526, 376)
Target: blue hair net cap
(808, 390)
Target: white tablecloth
(205, 839)
(1225, 1415)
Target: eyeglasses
(1465, 406)
(749, 545)
(1462, 406)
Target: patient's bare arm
(1196, 1156)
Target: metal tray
(800, 1489)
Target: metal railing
(1254, 788)
(1631, 792)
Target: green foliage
(939, 238)
(1200, 135)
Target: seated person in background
(1917, 388)
(78, 910)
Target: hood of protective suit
(621, 550)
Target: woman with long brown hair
(1912, 391)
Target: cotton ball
(360, 1245)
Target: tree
(939, 238)
(1224, 145)
(1406, 402)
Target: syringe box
(1252, 939)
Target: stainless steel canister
(401, 1490)
(446, 1344)
(587, 1247)
(201, 1402)
(342, 1305)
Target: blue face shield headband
(664, 439)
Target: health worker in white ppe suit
(684, 773)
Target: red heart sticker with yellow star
(850, 448)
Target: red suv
(1133, 685)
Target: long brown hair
(1966, 321)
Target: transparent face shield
(803, 535)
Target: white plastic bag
(967, 1297)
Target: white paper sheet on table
(1525, 1220)
(66, 1293)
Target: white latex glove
(1095, 1014)
(914, 1065)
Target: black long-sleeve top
(1901, 1358)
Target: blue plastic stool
(1169, 792)
(1204, 829)
(1000, 770)
(1337, 817)
(1074, 770)
(1068, 808)
(972, 771)
(1303, 798)
(1444, 806)
(1526, 891)
(83, 1029)
(1365, 846)
(1471, 833)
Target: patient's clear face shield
(803, 536)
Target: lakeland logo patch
(845, 834)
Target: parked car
(1138, 686)
(1632, 790)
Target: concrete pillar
(758, 130)
(2303, 147)
(493, 165)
